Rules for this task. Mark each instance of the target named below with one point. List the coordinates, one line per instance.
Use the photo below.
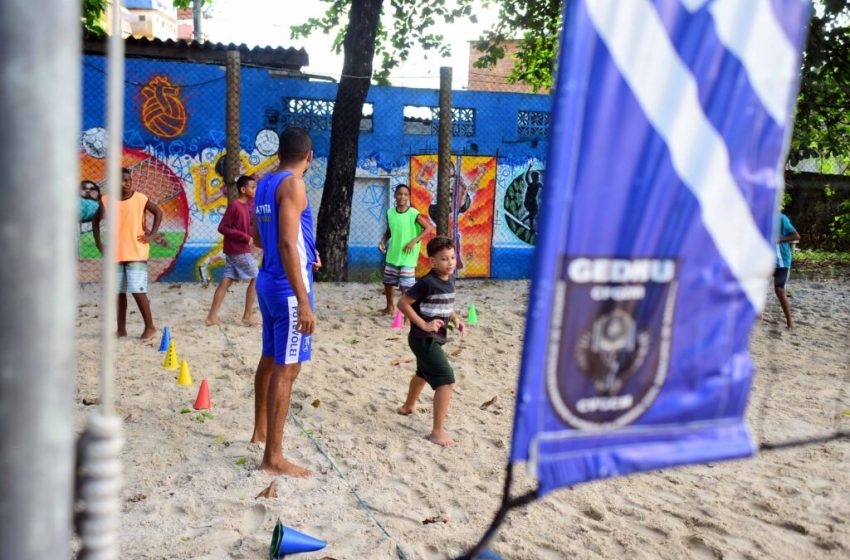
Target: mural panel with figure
(473, 192)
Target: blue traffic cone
(286, 540)
(166, 338)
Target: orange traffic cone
(203, 400)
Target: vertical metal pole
(196, 20)
(115, 147)
(444, 158)
(234, 86)
(40, 49)
(99, 448)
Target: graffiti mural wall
(473, 192)
(174, 146)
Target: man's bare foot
(148, 332)
(121, 334)
(387, 311)
(250, 322)
(406, 411)
(283, 467)
(441, 438)
(212, 321)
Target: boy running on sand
(133, 249)
(406, 228)
(429, 305)
(237, 227)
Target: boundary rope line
(399, 550)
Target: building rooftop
(203, 52)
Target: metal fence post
(444, 148)
(40, 44)
(196, 20)
(234, 86)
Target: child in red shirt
(237, 227)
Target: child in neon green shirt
(406, 228)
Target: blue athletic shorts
(280, 339)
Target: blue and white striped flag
(670, 126)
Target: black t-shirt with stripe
(433, 299)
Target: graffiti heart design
(163, 112)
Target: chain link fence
(175, 146)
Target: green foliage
(786, 200)
(821, 256)
(822, 125)
(839, 229)
(536, 25)
(407, 24)
(92, 13)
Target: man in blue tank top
(284, 229)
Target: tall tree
(534, 26)
(822, 125)
(335, 211)
(408, 23)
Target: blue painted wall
(152, 114)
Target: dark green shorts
(432, 365)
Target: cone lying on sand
(203, 400)
(171, 357)
(185, 378)
(286, 540)
(398, 322)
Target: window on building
(426, 120)
(311, 114)
(532, 124)
(366, 120)
(142, 17)
(417, 120)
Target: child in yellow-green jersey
(406, 228)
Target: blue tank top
(272, 277)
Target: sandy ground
(190, 486)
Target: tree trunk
(335, 213)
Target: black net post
(444, 149)
(232, 126)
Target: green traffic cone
(472, 316)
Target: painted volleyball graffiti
(163, 112)
(159, 183)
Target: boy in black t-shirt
(429, 305)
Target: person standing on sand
(133, 250)
(787, 234)
(406, 228)
(283, 227)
